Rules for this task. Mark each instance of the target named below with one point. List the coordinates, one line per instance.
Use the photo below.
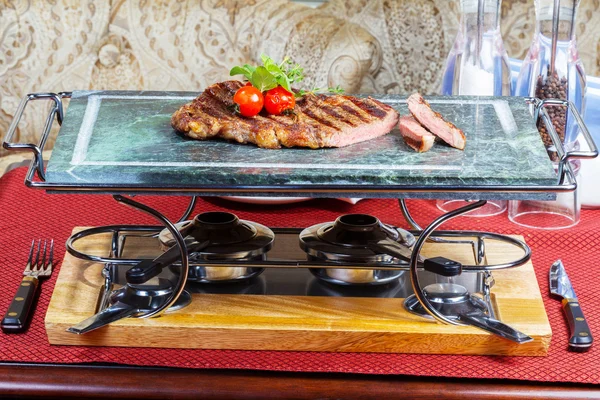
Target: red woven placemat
(27, 213)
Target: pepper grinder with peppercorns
(552, 68)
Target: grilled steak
(433, 121)
(414, 135)
(317, 121)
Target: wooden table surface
(104, 381)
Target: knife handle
(581, 337)
(17, 316)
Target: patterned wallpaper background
(385, 46)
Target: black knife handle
(16, 318)
(581, 336)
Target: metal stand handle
(478, 246)
(182, 249)
(565, 170)
(37, 163)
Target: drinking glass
(477, 65)
(552, 69)
(557, 214)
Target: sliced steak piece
(435, 123)
(414, 135)
(318, 120)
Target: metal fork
(17, 316)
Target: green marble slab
(120, 141)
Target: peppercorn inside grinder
(552, 69)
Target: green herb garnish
(337, 90)
(270, 75)
(263, 80)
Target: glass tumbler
(478, 66)
(557, 214)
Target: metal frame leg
(185, 268)
(423, 237)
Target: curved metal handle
(183, 252)
(478, 246)
(37, 163)
(565, 171)
(566, 155)
(414, 276)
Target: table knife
(560, 286)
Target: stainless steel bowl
(346, 240)
(231, 239)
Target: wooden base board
(303, 323)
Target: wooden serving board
(303, 323)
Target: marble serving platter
(122, 142)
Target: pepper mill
(553, 69)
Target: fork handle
(16, 318)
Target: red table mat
(27, 213)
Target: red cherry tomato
(250, 100)
(278, 100)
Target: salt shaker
(477, 65)
(553, 69)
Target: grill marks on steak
(319, 121)
(333, 112)
(435, 123)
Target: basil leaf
(250, 68)
(263, 80)
(271, 66)
(284, 82)
(266, 59)
(241, 71)
(271, 74)
(274, 69)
